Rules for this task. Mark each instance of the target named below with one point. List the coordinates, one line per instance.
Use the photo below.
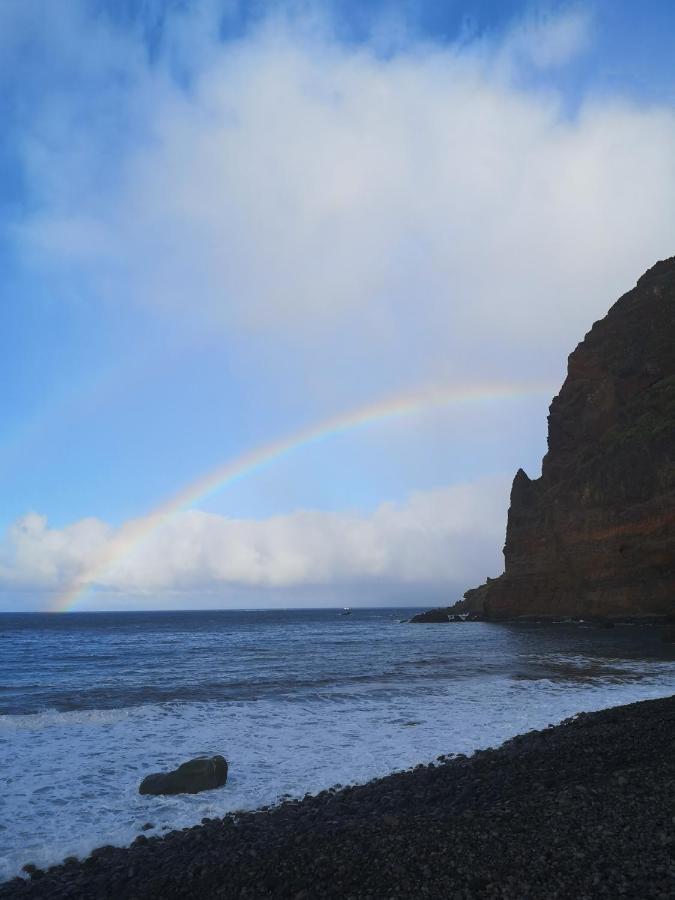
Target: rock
(201, 774)
(669, 634)
(594, 536)
(433, 616)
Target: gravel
(585, 809)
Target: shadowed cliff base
(594, 536)
(584, 809)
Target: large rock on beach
(594, 535)
(201, 774)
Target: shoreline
(448, 615)
(584, 808)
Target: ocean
(296, 700)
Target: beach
(583, 809)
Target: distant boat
(346, 611)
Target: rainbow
(130, 536)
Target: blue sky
(223, 222)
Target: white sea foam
(70, 779)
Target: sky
(287, 288)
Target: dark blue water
(111, 660)
(296, 700)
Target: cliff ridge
(595, 534)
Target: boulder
(201, 774)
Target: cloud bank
(436, 537)
(424, 200)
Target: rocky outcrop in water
(201, 774)
(595, 534)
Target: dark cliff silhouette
(595, 534)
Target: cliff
(595, 534)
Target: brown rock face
(595, 534)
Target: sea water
(297, 701)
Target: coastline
(454, 615)
(585, 808)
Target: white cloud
(34, 555)
(451, 535)
(424, 202)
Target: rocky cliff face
(595, 534)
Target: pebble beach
(585, 809)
